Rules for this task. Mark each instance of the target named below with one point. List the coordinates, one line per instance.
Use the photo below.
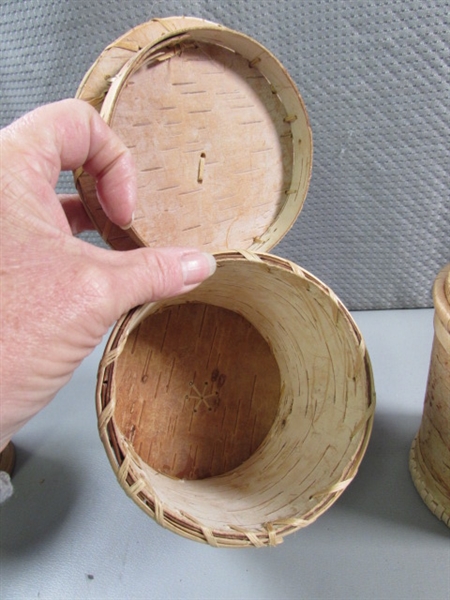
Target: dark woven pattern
(375, 76)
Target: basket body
(430, 451)
(247, 420)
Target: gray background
(375, 77)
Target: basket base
(198, 389)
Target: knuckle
(164, 274)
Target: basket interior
(197, 390)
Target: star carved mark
(209, 395)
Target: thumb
(135, 277)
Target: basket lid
(220, 138)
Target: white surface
(71, 532)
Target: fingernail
(197, 267)
(128, 225)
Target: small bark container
(239, 412)
(430, 452)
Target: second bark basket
(237, 413)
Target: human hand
(59, 294)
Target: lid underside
(220, 138)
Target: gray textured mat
(375, 77)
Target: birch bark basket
(430, 451)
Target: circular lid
(221, 141)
